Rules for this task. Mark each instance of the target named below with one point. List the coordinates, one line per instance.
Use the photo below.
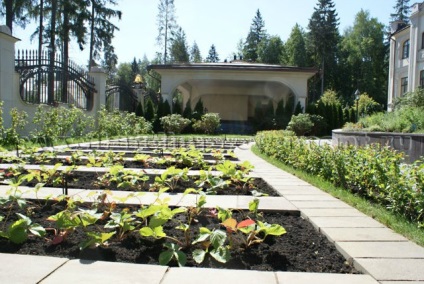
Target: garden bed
(302, 248)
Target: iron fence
(43, 81)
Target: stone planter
(410, 144)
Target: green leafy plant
(171, 177)
(18, 231)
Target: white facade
(406, 65)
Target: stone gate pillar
(9, 86)
(99, 76)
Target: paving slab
(93, 272)
(189, 275)
(320, 204)
(285, 182)
(401, 282)
(331, 212)
(362, 234)
(24, 269)
(267, 203)
(298, 189)
(310, 197)
(392, 269)
(322, 278)
(380, 250)
(345, 222)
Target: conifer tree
(256, 34)
(323, 39)
(402, 10)
(179, 48)
(195, 56)
(187, 113)
(296, 47)
(213, 55)
(167, 25)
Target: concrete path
(384, 256)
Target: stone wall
(410, 144)
(9, 83)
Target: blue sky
(219, 22)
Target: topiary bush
(301, 124)
(174, 123)
(208, 124)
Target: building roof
(235, 66)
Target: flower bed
(157, 233)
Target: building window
(405, 49)
(403, 85)
(422, 79)
(422, 41)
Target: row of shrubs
(374, 172)
(407, 116)
(50, 124)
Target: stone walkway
(382, 255)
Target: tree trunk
(90, 61)
(65, 56)
(40, 49)
(50, 99)
(9, 13)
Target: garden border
(411, 144)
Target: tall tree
(101, 28)
(135, 69)
(271, 50)
(213, 55)
(364, 48)
(402, 10)
(179, 48)
(296, 47)
(166, 24)
(16, 11)
(195, 55)
(324, 38)
(256, 34)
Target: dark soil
(301, 249)
(93, 181)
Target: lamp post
(357, 93)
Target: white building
(406, 66)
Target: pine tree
(256, 34)
(179, 48)
(101, 28)
(402, 10)
(213, 55)
(16, 11)
(167, 25)
(149, 113)
(187, 113)
(198, 110)
(139, 110)
(195, 56)
(323, 39)
(296, 47)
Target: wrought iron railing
(121, 97)
(45, 82)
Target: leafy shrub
(411, 99)
(374, 172)
(208, 124)
(116, 123)
(54, 122)
(301, 124)
(174, 123)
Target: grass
(396, 222)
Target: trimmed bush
(174, 123)
(374, 172)
(301, 124)
(208, 124)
